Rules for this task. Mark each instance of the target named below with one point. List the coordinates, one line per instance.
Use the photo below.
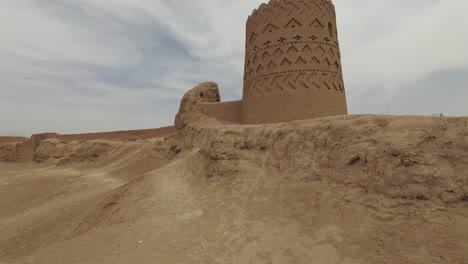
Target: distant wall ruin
(4, 140)
(18, 149)
(37, 138)
(10, 147)
(26, 150)
(121, 135)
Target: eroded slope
(360, 189)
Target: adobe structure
(22, 150)
(292, 72)
(292, 66)
(292, 63)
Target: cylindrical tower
(292, 63)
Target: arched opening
(330, 29)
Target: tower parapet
(292, 63)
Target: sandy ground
(342, 190)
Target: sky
(75, 66)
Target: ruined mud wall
(10, 148)
(226, 111)
(26, 150)
(22, 150)
(121, 135)
(292, 65)
(37, 138)
(8, 152)
(4, 140)
(42, 136)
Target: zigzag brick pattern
(292, 65)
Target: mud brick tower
(292, 64)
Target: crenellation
(301, 4)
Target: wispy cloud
(84, 65)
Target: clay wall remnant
(226, 111)
(26, 151)
(121, 135)
(4, 140)
(9, 152)
(15, 149)
(37, 138)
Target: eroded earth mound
(347, 190)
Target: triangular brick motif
(320, 51)
(260, 68)
(292, 50)
(301, 61)
(270, 28)
(272, 65)
(285, 63)
(306, 50)
(327, 62)
(265, 55)
(293, 23)
(330, 51)
(315, 61)
(278, 52)
(317, 24)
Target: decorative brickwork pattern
(292, 49)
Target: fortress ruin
(292, 66)
(292, 72)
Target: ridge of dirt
(348, 189)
